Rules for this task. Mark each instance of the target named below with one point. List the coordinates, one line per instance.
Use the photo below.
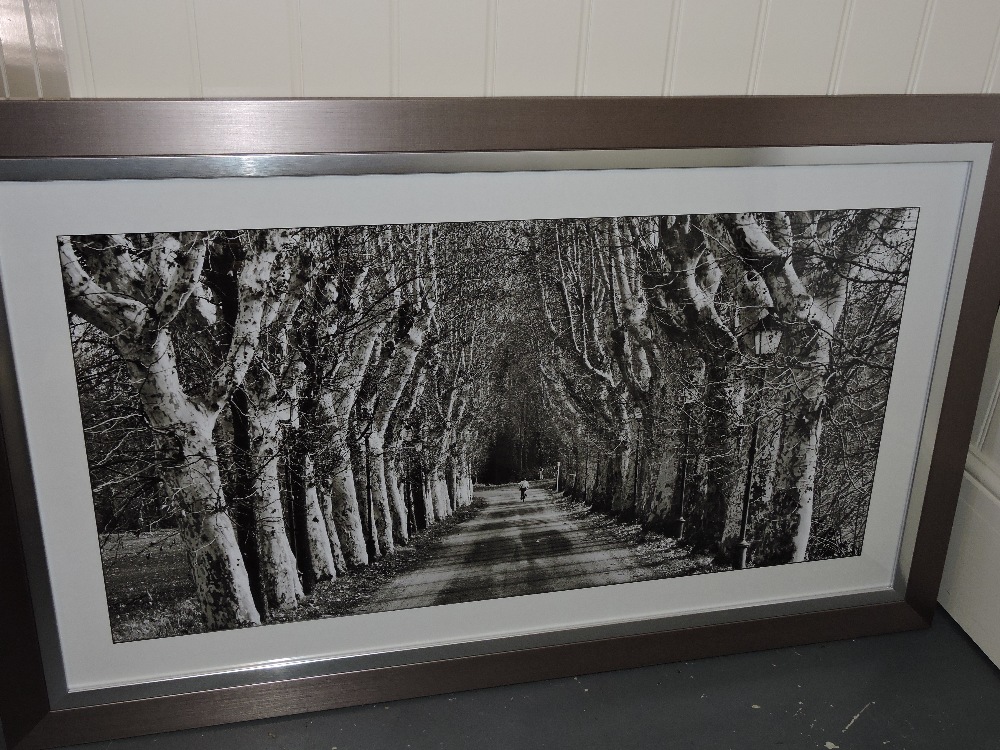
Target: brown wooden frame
(75, 130)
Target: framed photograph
(317, 403)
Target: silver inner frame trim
(309, 165)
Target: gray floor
(929, 689)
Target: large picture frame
(49, 699)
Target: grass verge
(150, 593)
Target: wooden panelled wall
(194, 48)
(235, 48)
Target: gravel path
(512, 548)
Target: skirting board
(969, 590)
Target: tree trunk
(390, 516)
(221, 584)
(316, 530)
(760, 526)
(620, 478)
(336, 548)
(363, 475)
(796, 474)
(312, 538)
(463, 481)
(816, 316)
(191, 471)
(662, 511)
(442, 501)
(335, 403)
(400, 514)
(451, 482)
(242, 498)
(714, 522)
(458, 480)
(599, 497)
(141, 333)
(415, 488)
(278, 570)
(344, 506)
(385, 524)
(428, 497)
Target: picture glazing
(288, 424)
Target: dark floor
(929, 689)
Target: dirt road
(513, 548)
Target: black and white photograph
(287, 424)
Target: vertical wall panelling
(191, 16)
(32, 61)
(20, 72)
(295, 46)
(245, 47)
(139, 49)
(491, 47)
(76, 48)
(4, 86)
(846, 18)
(442, 47)
(715, 47)
(583, 46)
(521, 47)
(800, 46)
(670, 63)
(43, 20)
(758, 45)
(537, 47)
(628, 47)
(918, 54)
(994, 67)
(966, 25)
(394, 13)
(346, 47)
(880, 46)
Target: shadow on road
(515, 548)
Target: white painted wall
(528, 47)
(194, 48)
